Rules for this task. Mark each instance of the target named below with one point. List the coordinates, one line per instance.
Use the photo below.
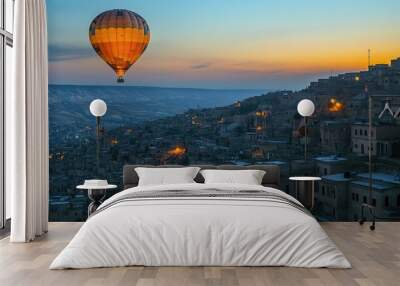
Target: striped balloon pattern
(119, 37)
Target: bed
(199, 224)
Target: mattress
(201, 225)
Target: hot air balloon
(119, 37)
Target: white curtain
(27, 124)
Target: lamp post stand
(305, 108)
(369, 205)
(305, 138)
(98, 144)
(98, 108)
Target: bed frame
(271, 177)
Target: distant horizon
(250, 45)
(210, 88)
(168, 87)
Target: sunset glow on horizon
(229, 44)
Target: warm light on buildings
(114, 141)
(176, 151)
(356, 78)
(259, 128)
(195, 120)
(261, 113)
(335, 105)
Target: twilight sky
(229, 43)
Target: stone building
(385, 139)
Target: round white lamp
(98, 107)
(305, 108)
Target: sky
(253, 44)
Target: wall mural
(220, 83)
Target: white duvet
(193, 231)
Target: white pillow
(165, 176)
(248, 177)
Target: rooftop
(277, 141)
(336, 177)
(331, 158)
(239, 163)
(335, 122)
(375, 124)
(375, 186)
(275, 162)
(387, 178)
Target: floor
(375, 257)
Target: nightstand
(304, 190)
(97, 190)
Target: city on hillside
(263, 129)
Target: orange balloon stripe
(114, 60)
(132, 34)
(137, 47)
(120, 36)
(108, 50)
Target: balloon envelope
(119, 37)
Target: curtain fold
(27, 124)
